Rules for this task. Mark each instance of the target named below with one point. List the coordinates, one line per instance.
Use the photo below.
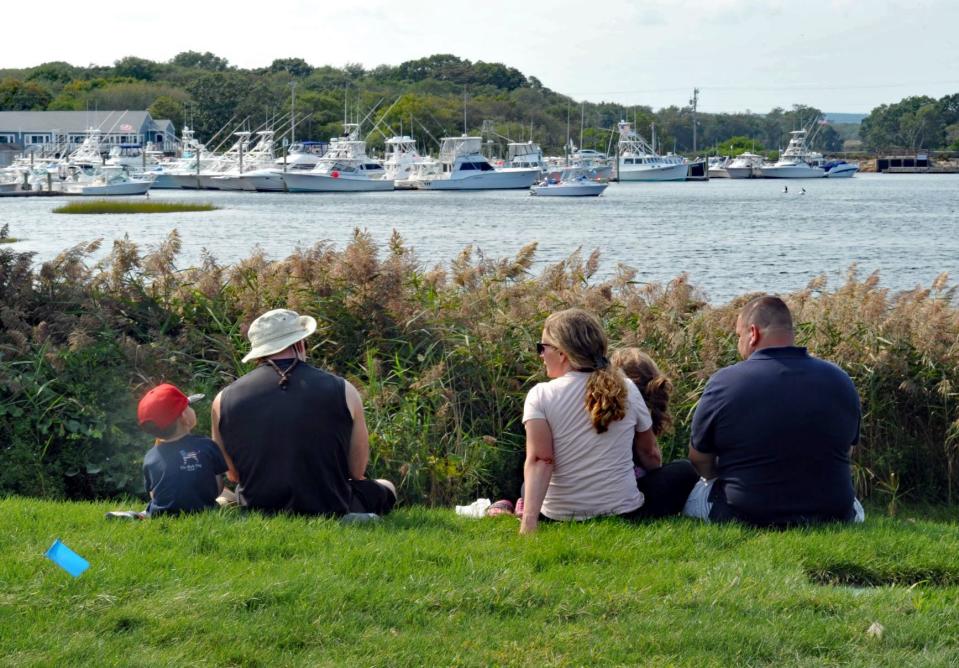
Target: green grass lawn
(424, 587)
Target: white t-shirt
(592, 473)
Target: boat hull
(128, 188)
(655, 173)
(232, 182)
(569, 190)
(269, 182)
(323, 183)
(504, 179)
(842, 172)
(166, 182)
(183, 181)
(793, 172)
(743, 172)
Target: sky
(837, 55)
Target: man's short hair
(767, 312)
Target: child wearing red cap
(181, 472)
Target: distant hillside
(835, 117)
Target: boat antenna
(566, 147)
(292, 110)
(582, 120)
(465, 93)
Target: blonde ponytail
(605, 398)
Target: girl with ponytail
(583, 430)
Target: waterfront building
(51, 132)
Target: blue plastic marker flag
(67, 559)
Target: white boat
(638, 160)
(568, 183)
(716, 166)
(745, 166)
(344, 168)
(796, 162)
(401, 158)
(525, 155)
(133, 156)
(462, 166)
(85, 179)
(84, 173)
(182, 173)
(258, 160)
(840, 169)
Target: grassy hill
(424, 587)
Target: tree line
(441, 95)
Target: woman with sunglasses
(583, 428)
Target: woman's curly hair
(580, 336)
(653, 385)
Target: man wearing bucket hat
(294, 436)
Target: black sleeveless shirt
(290, 446)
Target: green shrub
(443, 356)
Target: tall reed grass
(443, 355)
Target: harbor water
(729, 236)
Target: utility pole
(694, 102)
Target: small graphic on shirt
(191, 461)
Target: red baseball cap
(163, 405)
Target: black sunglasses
(541, 347)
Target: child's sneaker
(126, 515)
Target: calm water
(731, 236)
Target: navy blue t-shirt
(781, 424)
(182, 475)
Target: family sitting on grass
(770, 445)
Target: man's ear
(755, 334)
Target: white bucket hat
(277, 330)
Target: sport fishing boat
(258, 159)
(344, 168)
(745, 166)
(638, 160)
(401, 158)
(182, 173)
(525, 155)
(796, 162)
(462, 166)
(83, 172)
(716, 166)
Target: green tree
(54, 75)
(136, 68)
(296, 67)
(16, 95)
(169, 108)
(200, 61)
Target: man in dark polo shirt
(294, 436)
(772, 435)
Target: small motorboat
(568, 184)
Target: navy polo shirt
(781, 424)
(182, 475)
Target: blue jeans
(698, 505)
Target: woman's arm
(646, 451)
(537, 471)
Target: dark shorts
(370, 496)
